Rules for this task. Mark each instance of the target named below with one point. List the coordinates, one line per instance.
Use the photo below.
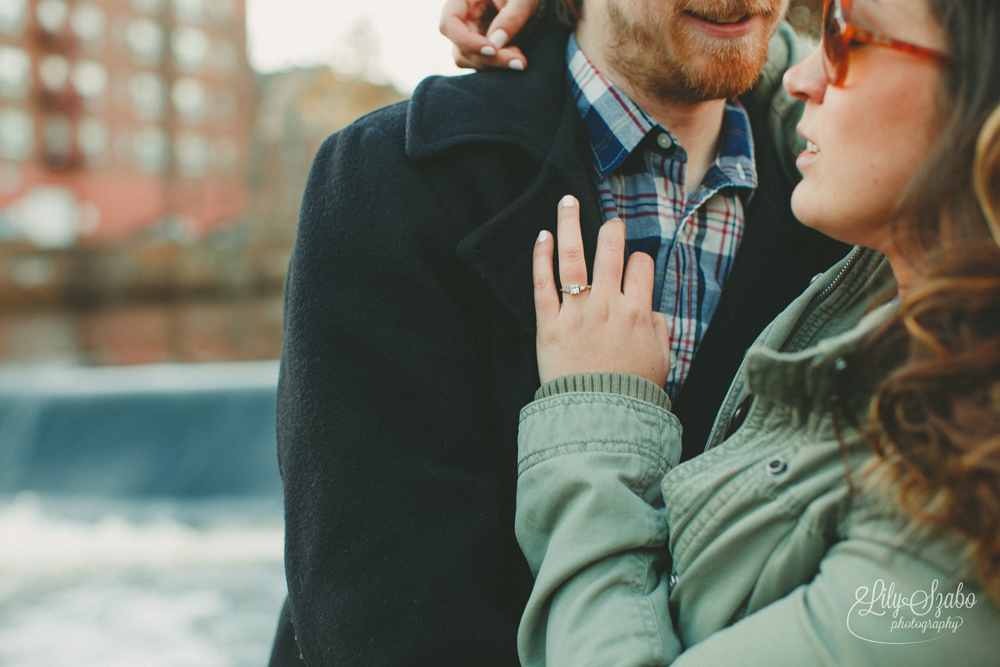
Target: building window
(190, 99)
(90, 79)
(190, 47)
(150, 149)
(189, 11)
(148, 93)
(92, 138)
(191, 151)
(224, 56)
(88, 23)
(52, 15)
(145, 39)
(221, 10)
(17, 134)
(53, 72)
(15, 73)
(13, 15)
(59, 145)
(226, 104)
(147, 6)
(49, 217)
(227, 155)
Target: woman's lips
(808, 156)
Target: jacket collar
(837, 304)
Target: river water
(140, 515)
(156, 584)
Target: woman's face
(867, 137)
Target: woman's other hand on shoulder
(481, 30)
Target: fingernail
(567, 201)
(516, 64)
(488, 51)
(499, 38)
(544, 236)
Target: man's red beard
(668, 61)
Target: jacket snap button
(673, 579)
(776, 466)
(839, 365)
(739, 416)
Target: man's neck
(695, 125)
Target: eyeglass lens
(835, 60)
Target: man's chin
(718, 68)
(718, 80)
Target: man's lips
(725, 25)
(726, 20)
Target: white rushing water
(109, 583)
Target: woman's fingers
(461, 22)
(481, 46)
(610, 258)
(546, 296)
(611, 330)
(638, 283)
(509, 58)
(572, 263)
(511, 18)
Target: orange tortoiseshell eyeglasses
(839, 34)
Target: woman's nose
(807, 80)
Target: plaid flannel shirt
(639, 167)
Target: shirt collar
(616, 125)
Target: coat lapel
(500, 250)
(536, 115)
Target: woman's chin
(803, 207)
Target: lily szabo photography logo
(883, 614)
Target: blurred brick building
(117, 116)
(298, 108)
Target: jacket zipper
(851, 261)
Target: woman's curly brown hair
(936, 418)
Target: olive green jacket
(753, 553)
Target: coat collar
(533, 113)
(521, 109)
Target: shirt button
(673, 579)
(664, 141)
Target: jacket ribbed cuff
(624, 384)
